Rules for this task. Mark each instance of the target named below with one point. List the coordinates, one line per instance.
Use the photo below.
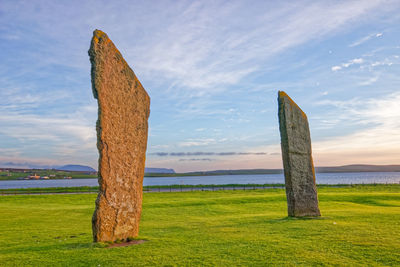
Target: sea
(321, 178)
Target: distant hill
(360, 168)
(336, 169)
(237, 172)
(158, 170)
(345, 168)
(76, 168)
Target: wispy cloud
(389, 61)
(49, 138)
(26, 165)
(203, 159)
(197, 142)
(217, 57)
(348, 64)
(365, 39)
(376, 142)
(180, 154)
(45, 128)
(369, 81)
(192, 44)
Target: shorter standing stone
(301, 191)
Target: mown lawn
(360, 226)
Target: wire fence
(146, 189)
(188, 188)
(169, 188)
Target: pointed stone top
(283, 96)
(102, 50)
(100, 39)
(99, 34)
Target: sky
(213, 70)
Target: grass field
(360, 226)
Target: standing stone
(124, 108)
(301, 191)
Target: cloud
(26, 165)
(369, 81)
(217, 57)
(34, 127)
(376, 142)
(159, 146)
(197, 142)
(275, 154)
(385, 62)
(369, 64)
(203, 159)
(48, 138)
(180, 154)
(348, 64)
(365, 39)
(245, 161)
(192, 44)
(354, 61)
(336, 68)
(381, 63)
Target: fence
(161, 188)
(168, 188)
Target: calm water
(322, 178)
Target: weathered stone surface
(301, 191)
(124, 108)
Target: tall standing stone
(123, 110)
(301, 191)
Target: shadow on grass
(83, 245)
(289, 218)
(46, 247)
(371, 200)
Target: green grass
(360, 227)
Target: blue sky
(212, 70)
